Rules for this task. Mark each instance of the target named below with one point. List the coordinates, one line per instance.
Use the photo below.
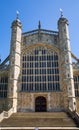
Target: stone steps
(41, 115)
(37, 119)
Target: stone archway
(40, 104)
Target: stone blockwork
(24, 101)
(51, 39)
(54, 101)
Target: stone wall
(56, 101)
(26, 101)
(44, 38)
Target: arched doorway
(40, 104)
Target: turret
(66, 63)
(15, 55)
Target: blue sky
(31, 11)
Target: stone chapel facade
(38, 75)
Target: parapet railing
(74, 114)
(40, 31)
(77, 116)
(6, 114)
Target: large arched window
(40, 70)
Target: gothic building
(38, 75)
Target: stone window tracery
(40, 70)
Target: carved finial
(17, 14)
(61, 12)
(39, 25)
